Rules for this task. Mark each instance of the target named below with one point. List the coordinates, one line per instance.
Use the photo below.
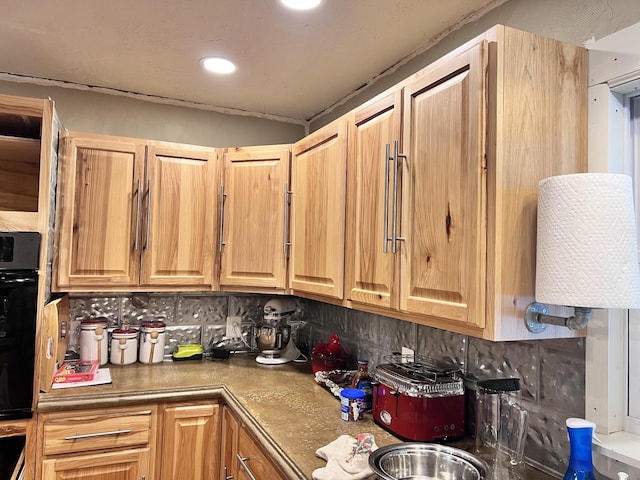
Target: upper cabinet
(371, 267)
(135, 213)
(318, 185)
(443, 202)
(28, 138)
(442, 197)
(254, 234)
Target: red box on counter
(76, 371)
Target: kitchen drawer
(96, 430)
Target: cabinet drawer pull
(101, 434)
(244, 466)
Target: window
(613, 342)
(632, 420)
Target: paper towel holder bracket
(537, 318)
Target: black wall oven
(19, 253)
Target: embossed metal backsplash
(196, 318)
(552, 371)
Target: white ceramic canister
(152, 339)
(124, 346)
(94, 343)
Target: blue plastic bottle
(580, 461)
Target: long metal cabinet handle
(285, 243)
(394, 222)
(221, 221)
(385, 234)
(394, 213)
(244, 466)
(146, 238)
(101, 434)
(139, 201)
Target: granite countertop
(281, 404)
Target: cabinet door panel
(371, 272)
(120, 465)
(190, 442)
(229, 447)
(444, 192)
(254, 254)
(318, 212)
(99, 212)
(255, 460)
(179, 217)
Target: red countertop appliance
(419, 400)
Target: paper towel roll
(587, 253)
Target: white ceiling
(291, 64)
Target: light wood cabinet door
(100, 212)
(190, 441)
(318, 178)
(229, 445)
(371, 264)
(120, 465)
(255, 226)
(178, 245)
(443, 267)
(253, 462)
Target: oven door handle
(13, 279)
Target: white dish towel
(347, 458)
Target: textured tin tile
(83, 307)
(330, 317)
(202, 308)
(362, 325)
(547, 445)
(180, 335)
(213, 334)
(442, 345)
(249, 307)
(505, 359)
(142, 307)
(564, 393)
(395, 334)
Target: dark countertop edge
(218, 392)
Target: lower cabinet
(114, 444)
(168, 441)
(243, 458)
(190, 442)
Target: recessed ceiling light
(301, 4)
(218, 65)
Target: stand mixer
(274, 335)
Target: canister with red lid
(152, 341)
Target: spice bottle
(362, 381)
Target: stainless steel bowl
(426, 461)
(271, 339)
